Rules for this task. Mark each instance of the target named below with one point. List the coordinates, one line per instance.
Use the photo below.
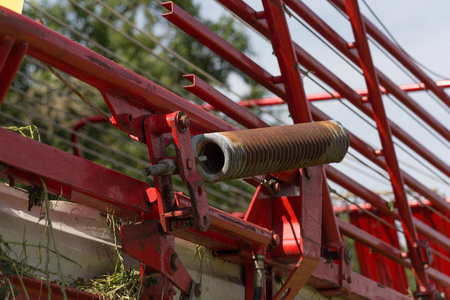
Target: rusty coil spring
(246, 153)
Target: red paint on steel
(92, 68)
(221, 102)
(6, 43)
(377, 266)
(207, 37)
(148, 243)
(83, 122)
(410, 87)
(11, 65)
(305, 216)
(289, 67)
(387, 142)
(400, 55)
(327, 76)
(336, 40)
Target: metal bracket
(151, 246)
(162, 168)
(344, 257)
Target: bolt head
(184, 121)
(348, 255)
(174, 262)
(190, 164)
(276, 239)
(198, 289)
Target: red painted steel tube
(120, 194)
(6, 43)
(74, 137)
(393, 168)
(400, 55)
(92, 68)
(410, 87)
(386, 249)
(221, 102)
(248, 14)
(287, 60)
(211, 40)
(380, 204)
(10, 67)
(203, 34)
(337, 41)
(235, 227)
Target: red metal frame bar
(249, 15)
(117, 85)
(235, 230)
(287, 60)
(83, 122)
(388, 145)
(410, 87)
(337, 41)
(400, 55)
(221, 102)
(246, 13)
(11, 56)
(38, 289)
(211, 40)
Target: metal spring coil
(246, 153)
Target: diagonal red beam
(411, 87)
(400, 55)
(247, 14)
(221, 102)
(11, 65)
(300, 112)
(287, 60)
(387, 142)
(211, 40)
(337, 41)
(386, 249)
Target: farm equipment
(291, 229)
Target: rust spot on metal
(100, 63)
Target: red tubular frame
(387, 143)
(246, 13)
(337, 41)
(231, 238)
(400, 55)
(74, 137)
(410, 87)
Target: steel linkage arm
(176, 124)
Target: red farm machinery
(298, 232)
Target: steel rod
(385, 134)
(400, 55)
(337, 41)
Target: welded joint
(425, 253)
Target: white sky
(421, 27)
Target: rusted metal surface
(246, 153)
